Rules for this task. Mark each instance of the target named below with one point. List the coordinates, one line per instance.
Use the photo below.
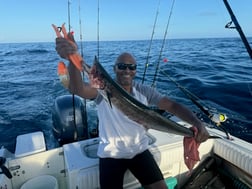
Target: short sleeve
(152, 95)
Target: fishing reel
(218, 118)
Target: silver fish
(134, 109)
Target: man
(123, 142)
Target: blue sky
(30, 20)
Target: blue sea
(218, 71)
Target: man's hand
(202, 134)
(65, 47)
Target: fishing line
(153, 30)
(163, 43)
(217, 119)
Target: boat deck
(75, 165)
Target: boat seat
(31, 143)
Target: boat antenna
(217, 118)
(237, 27)
(149, 49)
(163, 43)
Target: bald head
(126, 58)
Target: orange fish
(63, 74)
(75, 58)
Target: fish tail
(109, 98)
(62, 69)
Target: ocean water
(217, 71)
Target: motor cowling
(69, 119)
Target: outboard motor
(67, 127)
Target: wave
(215, 70)
(25, 52)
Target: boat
(225, 161)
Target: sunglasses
(123, 66)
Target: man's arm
(76, 86)
(186, 115)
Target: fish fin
(106, 95)
(63, 74)
(109, 99)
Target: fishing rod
(98, 29)
(237, 27)
(163, 43)
(69, 15)
(73, 99)
(82, 49)
(80, 25)
(216, 118)
(153, 30)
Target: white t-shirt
(121, 137)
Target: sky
(30, 20)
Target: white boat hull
(75, 165)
